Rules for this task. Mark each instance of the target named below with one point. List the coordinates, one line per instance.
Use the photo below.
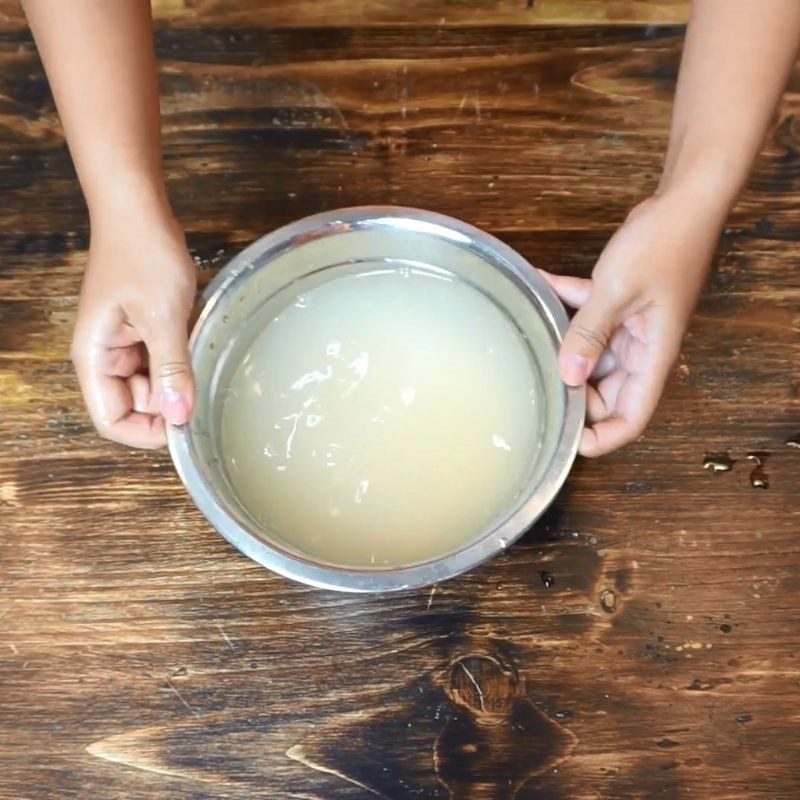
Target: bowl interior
(264, 282)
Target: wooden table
(142, 657)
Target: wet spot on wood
(758, 477)
(718, 462)
(608, 601)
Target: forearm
(737, 58)
(100, 60)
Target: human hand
(632, 315)
(130, 346)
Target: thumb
(171, 373)
(588, 336)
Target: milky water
(382, 418)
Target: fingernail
(576, 370)
(174, 407)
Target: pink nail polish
(174, 407)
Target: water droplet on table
(608, 601)
(758, 477)
(718, 462)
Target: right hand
(130, 346)
(632, 315)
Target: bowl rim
(372, 579)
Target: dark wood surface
(142, 657)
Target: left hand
(632, 315)
(130, 346)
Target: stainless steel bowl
(271, 272)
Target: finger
(601, 401)
(122, 362)
(121, 333)
(142, 397)
(145, 431)
(587, 337)
(606, 364)
(631, 401)
(110, 404)
(171, 375)
(609, 389)
(575, 292)
(608, 435)
(596, 408)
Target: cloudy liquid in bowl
(383, 418)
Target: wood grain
(366, 13)
(141, 657)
